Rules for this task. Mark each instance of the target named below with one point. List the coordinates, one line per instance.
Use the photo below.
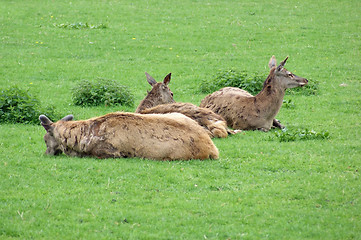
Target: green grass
(260, 188)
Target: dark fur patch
(269, 90)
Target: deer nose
(304, 80)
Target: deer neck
(151, 100)
(269, 100)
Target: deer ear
(46, 123)
(150, 79)
(167, 79)
(45, 120)
(282, 64)
(68, 118)
(284, 61)
(272, 62)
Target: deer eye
(290, 75)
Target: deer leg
(263, 129)
(277, 124)
(231, 132)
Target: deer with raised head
(159, 94)
(160, 101)
(121, 135)
(244, 111)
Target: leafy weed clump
(80, 25)
(232, 78)
(105, 92)
(288, 104)
(285, 135)
(19, 106)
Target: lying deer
(116, 135)
(214, 124)
(244, 111)
(160, 100)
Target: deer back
(214, 124)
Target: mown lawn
(259, 188)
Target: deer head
(160, 93)
(282, 76)
(52, 145)
(161, 89)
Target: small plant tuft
(19, 106)
(232, 78)
(102, 92)
(80, 25)
(288, 104)
(285, 135)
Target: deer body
(244, 111)
(118, 135)
(214, 124)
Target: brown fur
(160, 100)
(159, 94)
(244, 111)
(116, 135)
(214, 124)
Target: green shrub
(285, 135)
(232, 78)
(18, 106)
(101, 92)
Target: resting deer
(214, 124)
(160, 101)
(116, 135)
(159, 94)
(244, 111)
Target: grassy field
(260, 188)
